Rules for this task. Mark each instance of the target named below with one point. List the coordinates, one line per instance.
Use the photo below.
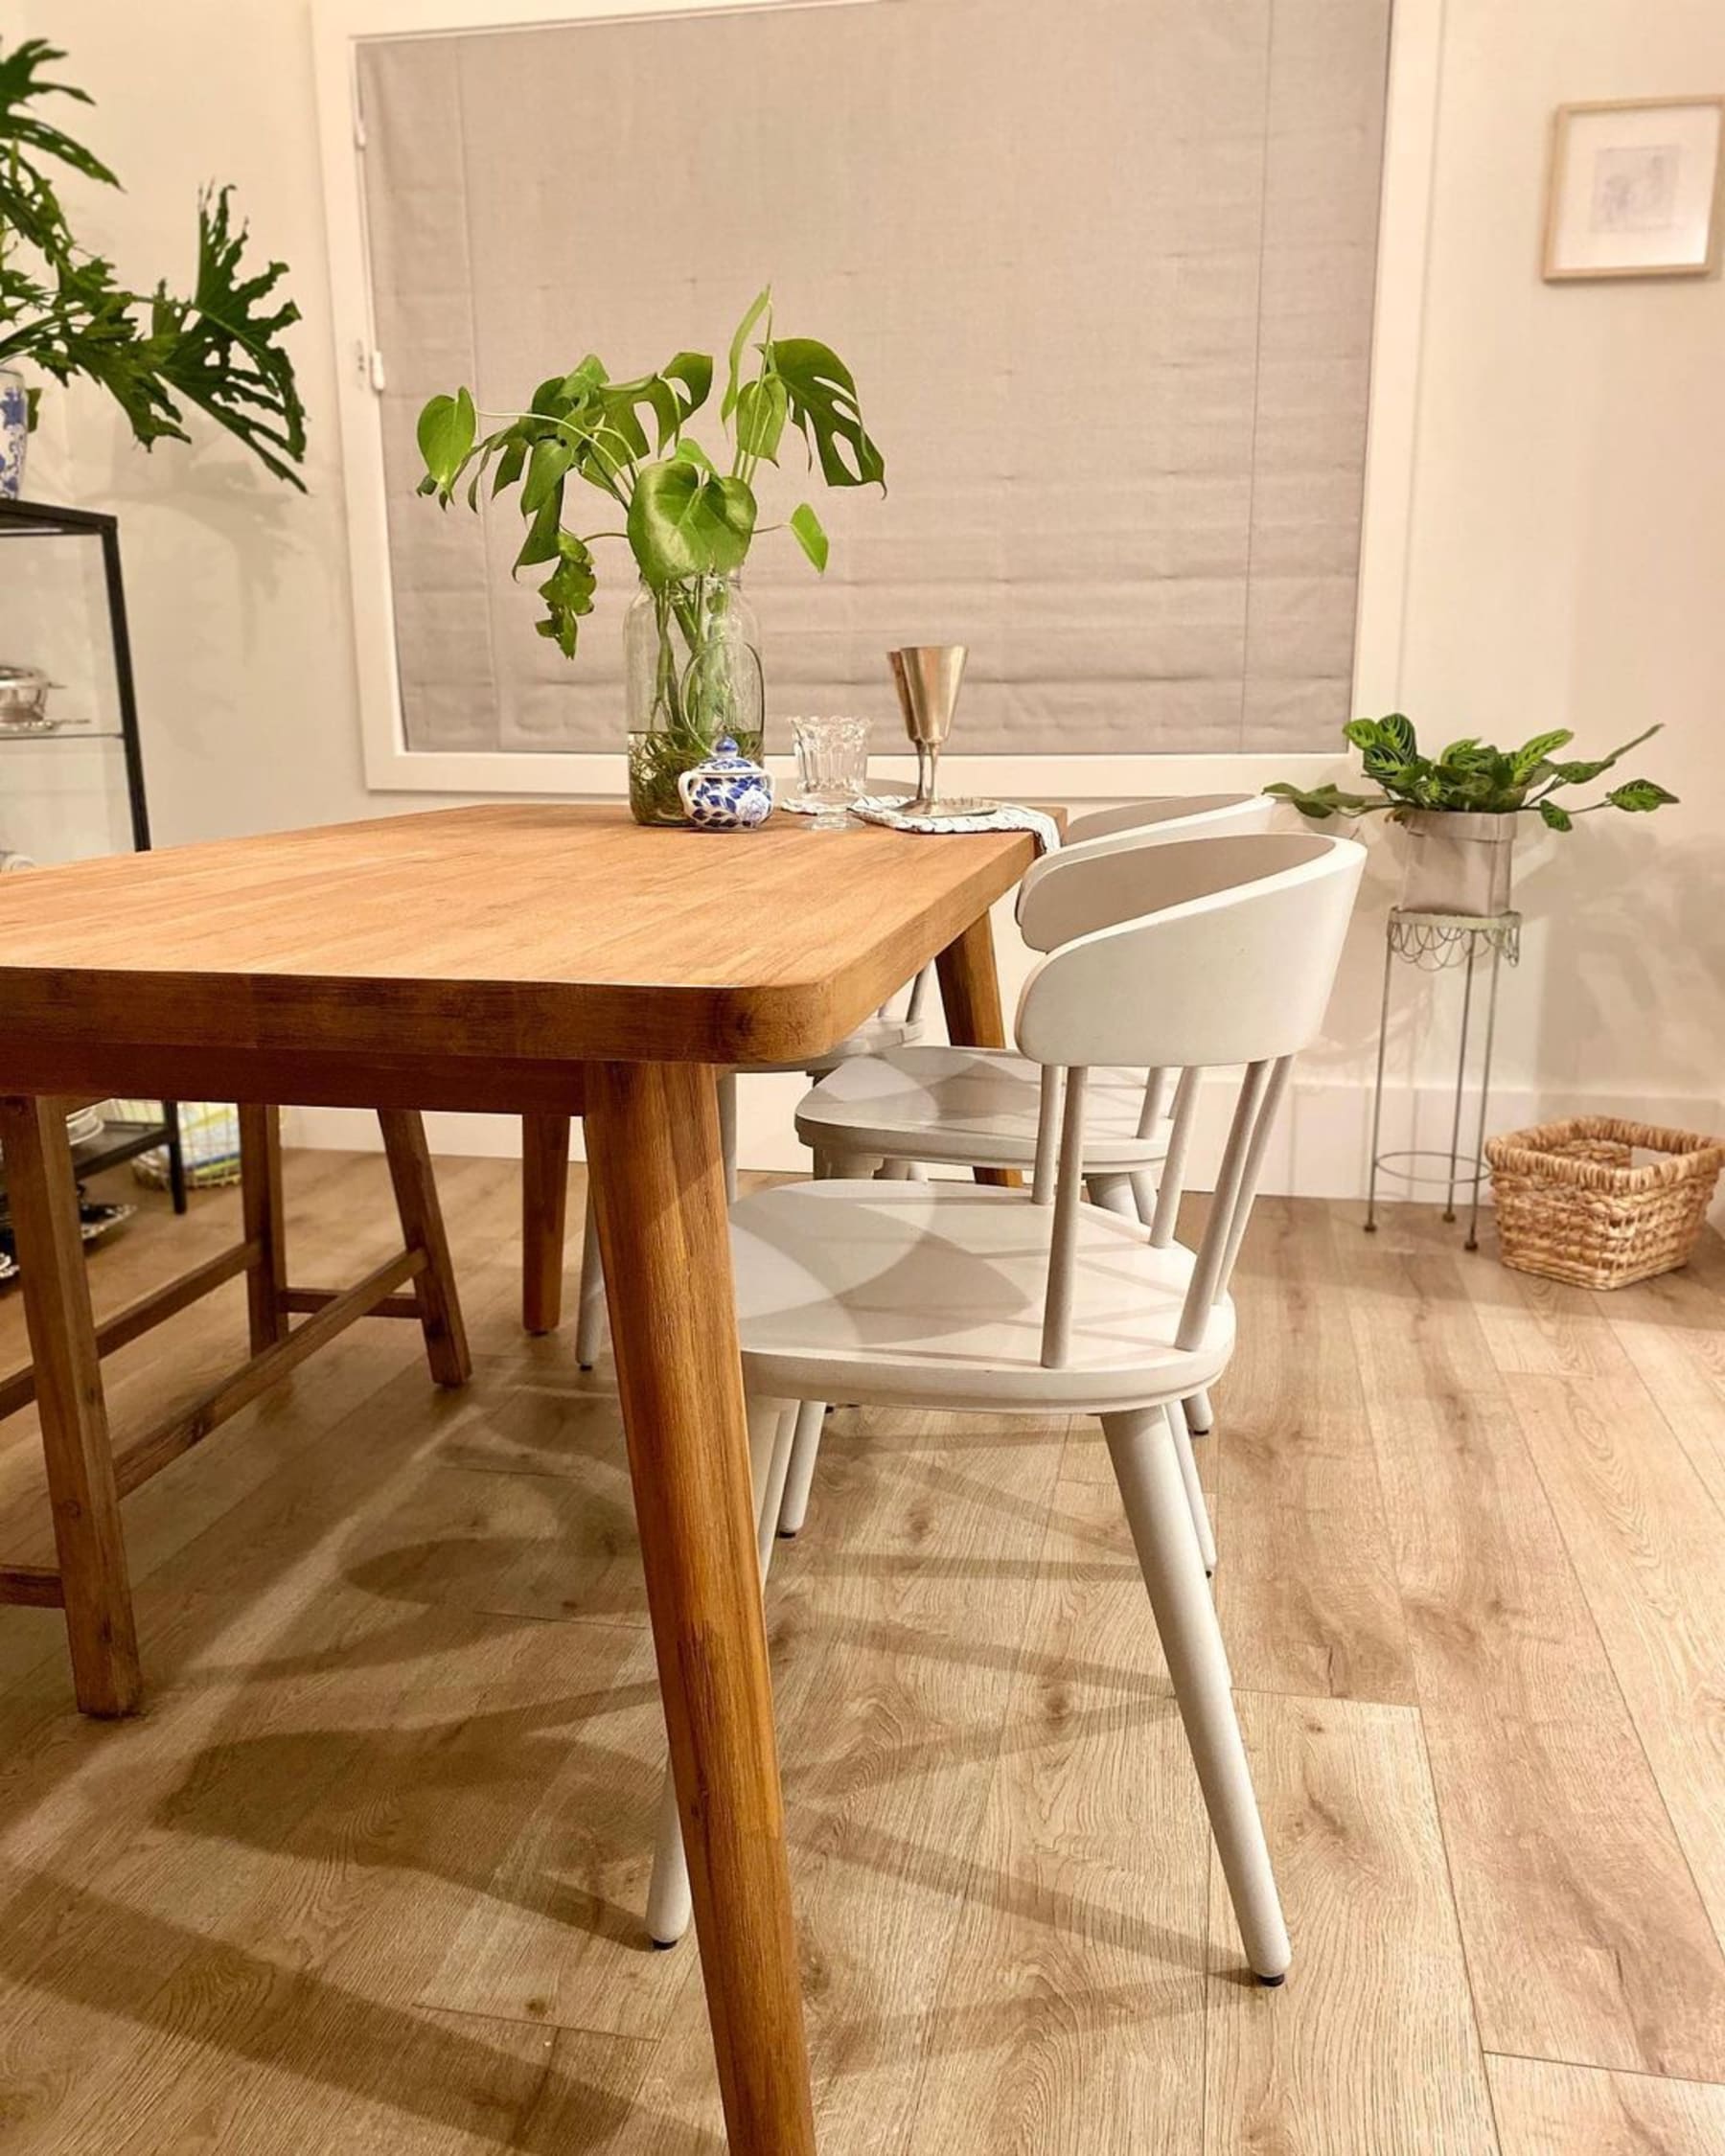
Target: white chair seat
(877, 1036)
(970, 1108)
(932, 1295)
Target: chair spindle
(1207, 1274)
(1173, 1174)
(1057, 1305)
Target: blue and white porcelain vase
(728, 793)
(14, 432)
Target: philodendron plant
(64, 310)
(1471, 777)
(688, 523)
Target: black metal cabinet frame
(28, 519)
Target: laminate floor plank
(1305, 1579)
(1549, 2110)
(1072, 2006)
(1586, 1937)
(1649, 1546)
(897, 1621)
(1683, 1366)
(1371, 2044)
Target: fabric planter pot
(1457, 863)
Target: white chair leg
(805, 1451)
(1194, 1489)
(1143, 1195)
(1200, 1415)
(670, 1906)
(589, 1322)
(852, 1168)
(1113, 1193)
(896, 1171)
(727, 1130)
(1147, 1469)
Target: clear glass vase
(692, 675)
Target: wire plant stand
(1436, 943)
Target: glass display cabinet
(70, 767)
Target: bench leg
(76, 1450)
(262, 1206)
(422, 1229)
(544, 1213)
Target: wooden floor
(366, 1876)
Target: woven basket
(1572, 1202)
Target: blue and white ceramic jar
(14, 432)
(728, 793)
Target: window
(1106, 276)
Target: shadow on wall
(1622, 986)
(1632, 988)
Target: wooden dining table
(539, 960)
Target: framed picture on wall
(1634, 189)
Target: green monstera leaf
(822, 395)
(687, 523)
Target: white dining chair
(945, 1295)
(981, 1108)
(1120, 1103)
(896, 1025)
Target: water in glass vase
(692, 675)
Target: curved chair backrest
(1124, 832)
(1227, 956)
(1199, 811)
(1231, 959)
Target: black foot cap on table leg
(670, 1945)
(1270, 1983)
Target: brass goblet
(927, 677)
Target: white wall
(1567, 557)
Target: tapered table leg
(659, 1178)
(970, 992)
(43, 1195)
(544, 1211)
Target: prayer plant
(64, 310)
(1471, 776)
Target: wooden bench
(88, 1475)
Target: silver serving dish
(24, 701)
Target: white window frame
(338, 26)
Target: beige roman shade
(1103, 269)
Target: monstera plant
(691, 650)
(64, 313)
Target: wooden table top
(525, 934)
